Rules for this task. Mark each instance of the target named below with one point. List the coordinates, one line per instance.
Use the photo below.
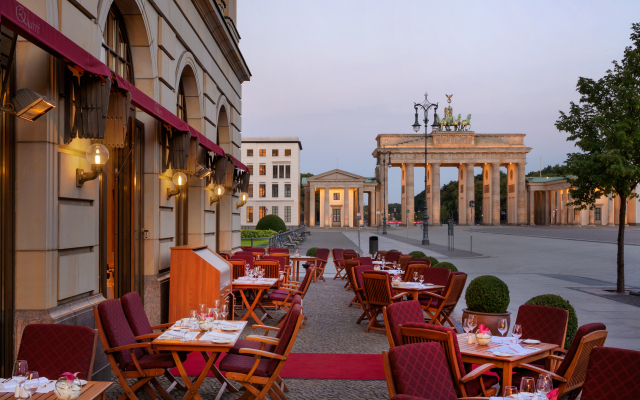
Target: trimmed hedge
(417, 254)
(553, 300)
(272, 222)
(394, 250)
(446, 265)
(433, 260)
(248, 234)
(487, 294)
(312, 252)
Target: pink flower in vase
(483, 329)
(200, 316)
(553, 395)
(70, 377)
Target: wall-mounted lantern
(97, 155)
(244, 196)
(179, 179)
(218, 191)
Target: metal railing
(290, 238)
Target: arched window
(116, 45)
(182, 103)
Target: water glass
(247, 267)
(193, 314)
(472, 322)
(527, 388)
(32, 383)
(421, 279)
(516, 332)
(211, 312)
(415, 276)
(224, 312)
(544, 385)
(503, 326)
(510, 392)
(20, 371)
(465, 326)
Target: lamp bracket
(82, 177)
(171, 193)
(213, 199)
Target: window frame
(250, 190)
(263, 169)
(249, 214)
(262, 190)
(274, 210)
(274, 152)
(275, 171)
(281, 171)
(287, 190)
(275, 190)
(287, 214)
(287, 172)
(262, 211)
(249, 152)
(250, 168)
(262, 152)
(287, 152)
(120, 37)
(336, 196)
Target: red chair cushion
(52, 349)
(359, 270)
(612, 374)
(243, 363)
(278, 296)
(148, 361)
(248, 259)
(134, 311)
(249, 344)
(582, 331)
(420, 369)
(407, 397)
(433, 303)
(116, 328)
(437, 276)
(403, 313)
(281, 260)
(337, 254)
(286, 333)
(392, 256)
(364, 260)
(273, 250)
(546, 324)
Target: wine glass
(20, 370)
(193, 314)
(516, 332)
(510, 392)
(415, 276)
(503, 327)
(527, 388)
(224, 312)
(544, 385)
(211, 312)
(32, 383)
(247, 267)
(472, 321)
(202, 309)
(465, 326)
(421, 279)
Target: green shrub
(487, 294)
(248, 234)
(272, 222)
(446, 265)
(433, 260)
(417, 254)
(553, 300)
(312, 252)
(394, 250)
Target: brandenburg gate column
(532, 207)
(522, 195)
(409, 193)
(360, 208)
(470, 190)
(312, 205)
(487, 192)
(403, 197)
(434, 175)
(495, 194)
(512, 213)
(345, 216)
(327, 209)
(463, 209)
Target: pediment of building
(336, 175)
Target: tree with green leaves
(605, 126)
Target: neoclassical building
(159, 84)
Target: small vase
(67, 390)
(483, 339)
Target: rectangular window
(282, 171)
(274, 153)
(263, 190)
(597, 214)
(249, 152)
(263, 212)
(287, 173)
(275, 172)
(287, 190)
(274, 210)
(287, 153)
(287, 213)
(336, 196)
(249, 214)
(263, 153)
(263, 170)
(250, 167)
(274, 190)
(250, 190)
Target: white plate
(531, 341)
(174, 328)
(220, 340)
(82, 382)
(229, 328)
(501, 354)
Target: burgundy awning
(33, 28)
(238, 164)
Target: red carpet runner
(313, 366)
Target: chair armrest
(556, 358)
(294, 291)
(560, 350)
(162, 326)
(399, 296)
(476, 373)
(267, 327)
(128, 347)
(263, 339)
(149, 336)
(262, 353)
(431, 294)
(542, 371)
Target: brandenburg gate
(462, 149)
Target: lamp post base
(425, 241)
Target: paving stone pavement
(330, 328)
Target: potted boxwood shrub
(433, 260)
(488, 298)
(553, 300)
(417, 254)
(446, 265)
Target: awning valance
(238, 164)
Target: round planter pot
(489, 320)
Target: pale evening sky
(338, 73)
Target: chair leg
(354, 301)
(173, 379)
(373, 323)
(150, 392)
(275, 388)
(163, 393)
(282, 384)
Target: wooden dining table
(296, 264)
(90, 391)
(210, 352)
(416, 290)
(259, 287)
(477, 354)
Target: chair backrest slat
(401, 313)
(377, 288)
(238, 268)
(546, 324)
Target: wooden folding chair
(358, 289)
(258, 377)
(349, 265)
(338, 261)
(322, 258)
(284, 296)
(126, 356)
(378, 294)
(238, 268)
(400, 313)
(458, 280)
(403, 261)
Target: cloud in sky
(338, 73)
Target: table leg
(415, 295)
(297, 270)
(192, 387)
(507, 378)
(226, 384)
(251, 308)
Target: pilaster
(410, 198)
(470, 191)
(522, 199)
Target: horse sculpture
(464, 125)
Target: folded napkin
(10, 386)
(503, 340)
(514, 349)
(47, 388)
(216, 335)
(227, 323)
(172, 335)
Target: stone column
(403, 195)
(584, 217)
(327, 209)
(360, 206)
(312, 205)
(345, 217)
(532, 207)
(372, 208)
(434, 217)
(559, 205)
(463, 208)
(612, 210)
(409, 194)
(551, 207)
(512, 200)
(307, 201)
(495, 194)
(469, 183)
(522, 194)
(487, 206)
(592, 216)
(570, 210)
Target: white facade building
(274, 188)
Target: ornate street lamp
(425, 106)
